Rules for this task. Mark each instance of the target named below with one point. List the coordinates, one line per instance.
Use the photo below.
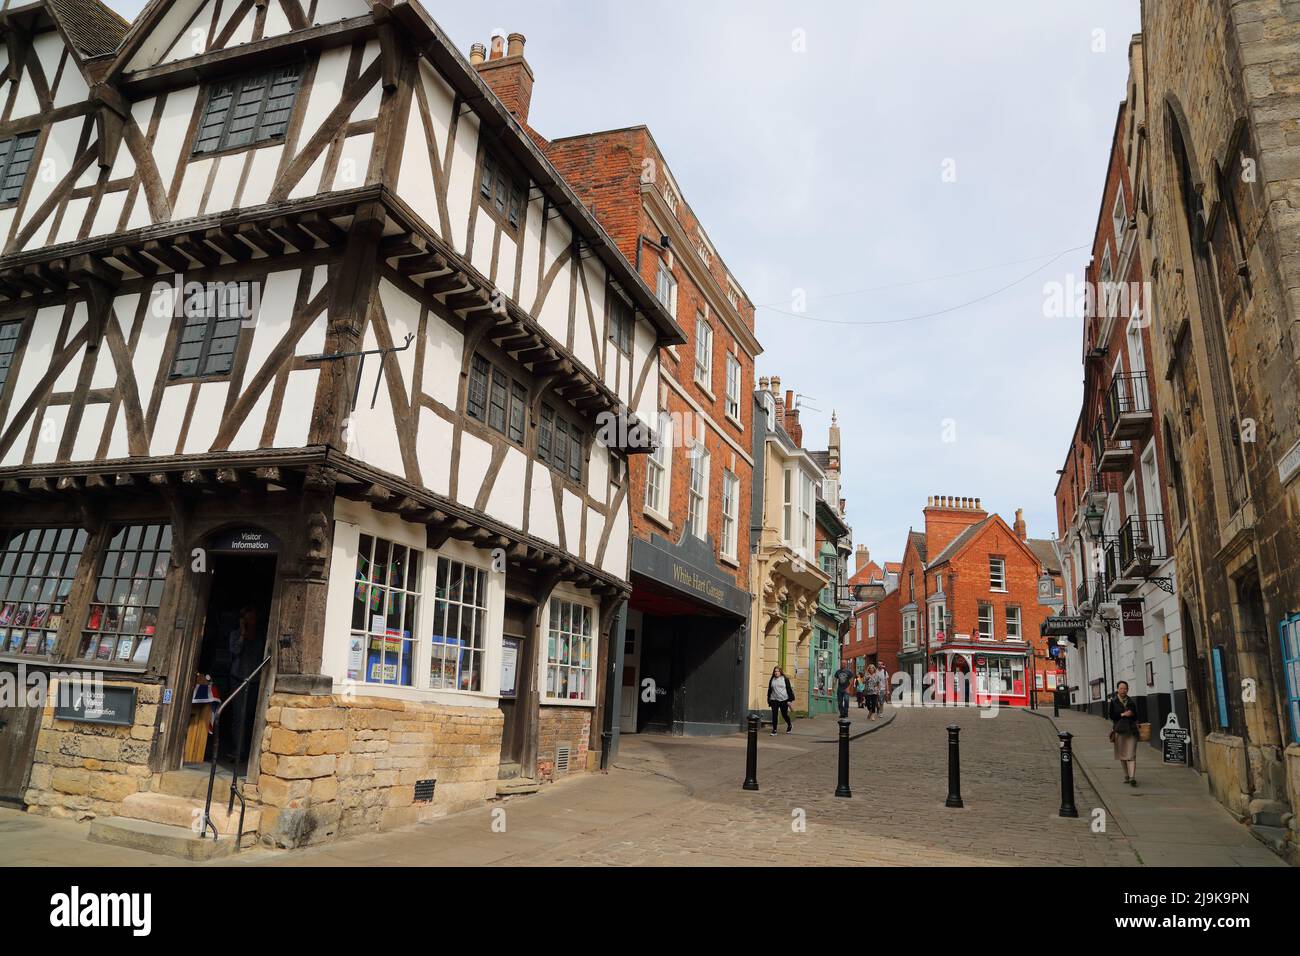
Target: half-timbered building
(302, 358)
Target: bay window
(459, 626)
(570, 656)
(385, 609)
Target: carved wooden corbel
(111, 116)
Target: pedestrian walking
(1124, 731)
(860, 690)
(780, 695)
(874, 687)
(843, 681)
(884, 689)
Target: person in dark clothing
(780, 695)
(843, 681)
(1124, 731)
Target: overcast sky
(816, 142)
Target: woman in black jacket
(780, 695)
(1124, 731)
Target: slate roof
(1046, 553)
(918, 541)
(91, 26)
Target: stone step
(516, 786)
(158, 838)
(171, 810)
(193, 783)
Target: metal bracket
(1164, 584)
(356, 392)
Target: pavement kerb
(1111, 811)
(872, 727)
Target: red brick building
(690, 499)
(969, 604)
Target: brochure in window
(7, 613)
(444, 664)
(141, 655)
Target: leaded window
(37, 566)
(15, 160)
(123, 615)
(248, 110)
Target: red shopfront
(975, 673)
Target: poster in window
(444, 665)
(509, 666)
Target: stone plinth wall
(333, 765)
(558, 726)
(83, 771)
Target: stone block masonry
(82, 771)
(333, 765)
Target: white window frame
(871, 624)
(572, 597)
(994, 583)
(664, 279)
(909, 629)
(703, 353)
(697, 493)
(733, 388)
(1013, 621)
(935, 617)
(659, 463)
(983, 616)
(730, 513)
(353, 520)
(1119, 218)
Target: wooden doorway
(517, 665)
(19, 725)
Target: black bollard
(751, 754)
(1068, 808)
(954, 768)
(842, 790)
(1056, 704)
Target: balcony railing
(1128, 406)
(1142, 545)
(1110, 455)
(1091, 592)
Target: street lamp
(1095, 516)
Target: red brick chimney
(861, 558)
(792, 426)
(946, 517)
(506, 72)
(1019, 526)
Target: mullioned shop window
(459, 627)
(385, 613)
(123, 616)
(569, 652)
(37, 566)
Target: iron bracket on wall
(356, 392)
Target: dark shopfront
(685, 642)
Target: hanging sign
(1132, 614)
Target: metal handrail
(215, 734)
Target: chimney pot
(477, 53)
(977, 504)
(498, 47)
(515, 44)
